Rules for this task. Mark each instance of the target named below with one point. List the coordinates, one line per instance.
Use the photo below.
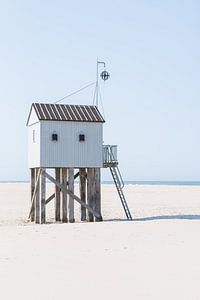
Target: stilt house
(68, 139)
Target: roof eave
(32, 106)
(29, 114)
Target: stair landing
(110, 164)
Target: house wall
(34, 145)
(68, 151)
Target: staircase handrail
(118, 171)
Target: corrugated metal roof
(66, 112)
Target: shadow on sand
(171, 217)
(154, 218)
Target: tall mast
(104, 75)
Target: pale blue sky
(49, 49)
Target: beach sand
(156, 256)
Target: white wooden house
(62, 135)
(69, 139)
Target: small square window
(81, 137)
(54, 137)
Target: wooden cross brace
(53, 195)
(64, 190)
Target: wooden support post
(90, 192)
(82, 174)
(33, 179)
(71, 199)
(43, 196)
(33, 200)
(64, 195)
(97, 200)
(37, 198)
(72, 195)
(57, 195)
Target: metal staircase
(110, 161)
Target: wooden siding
(68, 151)
(34, 146)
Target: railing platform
(110, 164)
(110, 156)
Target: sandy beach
(156, 256)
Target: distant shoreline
(178, 183)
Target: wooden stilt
(33, 179)
(64, 195)
(37, 198)
(64, 185)
(57, 195)
(71, 189)
(97, 200)
(82, 174)
(90, 192)
(72, 195)
(33, 200)
(43, 196)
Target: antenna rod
(97, 80)
(97, 83)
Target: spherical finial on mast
(105, 75)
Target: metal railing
(110, 160)
(109, 154)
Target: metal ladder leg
(119, 187)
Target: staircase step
(119, 185)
